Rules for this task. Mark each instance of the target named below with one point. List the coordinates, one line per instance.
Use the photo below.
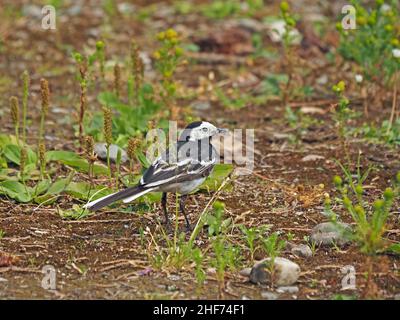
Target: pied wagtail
(180, 170)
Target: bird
(180, 169)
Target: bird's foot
(189, 227)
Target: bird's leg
(182, 208)
(164, 207)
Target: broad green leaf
(70, 158)
(56, 155)
(218, 175)
(13, 153)
(83, 190)
(16, 190)
(41, 187)
(55, 188)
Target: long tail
(126, 196)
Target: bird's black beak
(222, 131)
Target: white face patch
(204, 130)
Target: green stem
(108, 161)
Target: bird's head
(200, 130)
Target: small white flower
(396, 53)
(385, 7)
(359, 78)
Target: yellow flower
(389, 28)
(361, 21)
(284, 6)
(171, 34)
(341, 85)
(157, 55)
(395, 42)
(178, 51)
(161, 36)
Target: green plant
(2, 234)
(273, 246)
(107, 129)
(42, 159)
(252, 237)
(90, 156)
(221, 9)
(135, 82)
(25, 95)
(371, 44)
(117, 80)
(287, 40)
(341, 114)
(101, 57)
(370, 221)
(14, 110)
(200, 274)
(82, 78)
(168, 57)
(226, 256)
(385, 133)
(299, 122)
(45, 92)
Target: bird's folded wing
(162, 172)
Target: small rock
(286, 272)
(269, 295)
(396, 296)
(245, 272)
(201, 105)
(322, 80)
(3, 279)
(74, 10)
(251, 25)
(288, 289)
(301, 250)
(245, 298)
(31, 10)
(101, 151)
(329, 233)
(174, 277)
(277, 29)
(312, 157)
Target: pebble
(396, 296)
(269, 295)
(286, 272)
(245, 272)
(201, 105)
(301, 250)
(101, 151)
(287, 289)
(327, 233)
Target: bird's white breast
(183, 187)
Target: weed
(45, 93)
(117, 80)
(371, 221)
(14, 106)
(101, 57)
(168, 58)
(107, 129)
(2, 234)
(25, 95)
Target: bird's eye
(205, 129)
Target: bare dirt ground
(102, 256)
